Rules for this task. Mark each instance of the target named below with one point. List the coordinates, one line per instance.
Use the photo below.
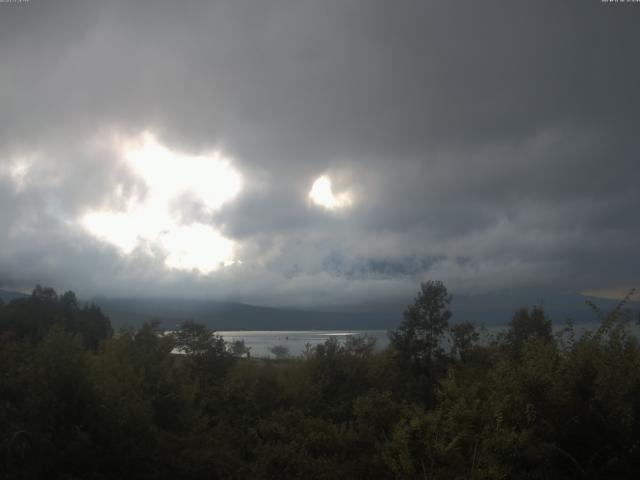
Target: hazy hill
(8, 295)
(491, 309)
(238, 316)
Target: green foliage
(525, 326)
(279, 351)
(78, 402)
(335, 374)
(418, 358)
(33, 317)
(207, 357)
(425, 322)
(238, 348)
(464, 338)
(145, 402)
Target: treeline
(441, 402)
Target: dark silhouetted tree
(207, 353)
(463, 338)
(279, 351)
(239, 349)
(527, 325)
(425, 322)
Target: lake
(295, 341)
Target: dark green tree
(33, 317)
(463, 339)
(425, 322)
(279, 351)
(207, 353)
(526, 326)
(239, 349)
(44, 295)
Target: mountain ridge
(489, 309)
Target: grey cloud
(489, 144)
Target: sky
(307, 153)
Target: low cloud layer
(491, 145)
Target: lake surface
(295, 341)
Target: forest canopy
(443, 400)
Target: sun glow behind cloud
(150, 222)
(18, 170)
(322, 194)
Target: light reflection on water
(260, 341)
(295, 341)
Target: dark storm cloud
(488, 144)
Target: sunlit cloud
(150, 220)
(322, 194)
(617, 293)
(122, 229)
(197, 247)
(18, 170)
(169, 174)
